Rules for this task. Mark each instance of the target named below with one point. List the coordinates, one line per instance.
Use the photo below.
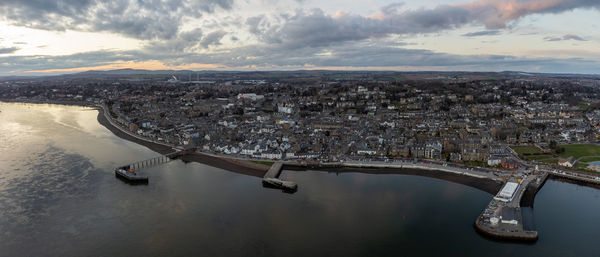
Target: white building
(569, 162)
(273, 156)
(284, 109)
(508, 192)
(250, 96)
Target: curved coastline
(258, 170)
(484, 184)
(246, 168)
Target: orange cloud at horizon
(501, 11)
(146, 65)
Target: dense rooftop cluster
(468, 118)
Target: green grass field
(538, 157)
(525, 150)
(580, 150)
(550, 161)
(583, 106)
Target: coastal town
(466, 119)
(300, 128)
(506, 132)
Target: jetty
(271, 179)
(585, 178)
(502, 217)
(129, 173)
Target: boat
(130, 175)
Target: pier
(154, 161)
(502, 217)
(271, 179)
(129, 172)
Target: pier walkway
(274, 171)
(153, 161)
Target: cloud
(391, 9)
(185, 41)
(483, 33)
(496, 13)
(565, 37)
(315, 28)
(155, 20)
(573, 37)
(295, 39)
(363, 55)
(143, 19)
(213, 38)
(8, 50)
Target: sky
(43, 37)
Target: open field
(580, 150)
(539, 157)
(526, 150)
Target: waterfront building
(568, 162)
(508, 192)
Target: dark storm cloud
(483, 33)
(144, 19)
(8, 50)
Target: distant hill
(296, 76)
(131, 72)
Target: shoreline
(484, 184)
(258, 170)
(247, 167)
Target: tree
(552, 144)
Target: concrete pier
(271, 179)
(502, 217)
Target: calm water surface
(59, 197)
